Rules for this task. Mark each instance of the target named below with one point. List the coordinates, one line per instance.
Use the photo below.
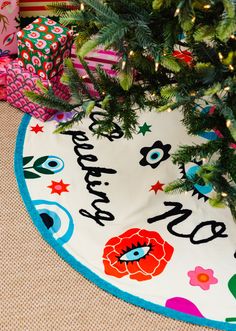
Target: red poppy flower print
(137, 253)
(34, 34)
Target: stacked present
(42, 47)
(106, 59)
(4, 60)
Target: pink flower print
(70, 33)
(62, 40)
(54, 46)
(30, 67)
(47, 66)
(25, 55)
(38, 20)
(21, 63)
(36, 61)
(34, 34)
(40, 44)
(29, 44)
(20, 34)
(42, 28)
(57, 30)
(53, 73)
(49, 36)
(202, 277)
(29, 27)
(41, 73)
(61, 67)
(66, 54)
(58, 60)
(50, 22)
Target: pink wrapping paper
(105, 58)
(9, 13)
(20, 80)
(4, 60)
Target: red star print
(157, 187)
(37, 128)
(58, 187)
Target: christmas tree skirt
(100, 204)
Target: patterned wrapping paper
(20, 80)
(9, 24)
(4, 60)
(36, 8)
(105, 58)
(43, 45)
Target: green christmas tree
(174, 54)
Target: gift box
(4, 60)
(106, 59)
(20, 80)
(42, 47)
(9, 25)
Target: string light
(223, 194)
(193, 19)
(232, 36)
(169, 110)
(227, 88)
(177, 12)
(193, 94)
(103, 93)
(207, 6)
(82, 6)
(228, 123)
(131, 53)
(231, 67)
(84, 76)
(156, 65)
(123, 65)
(220, 56)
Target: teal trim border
(80, 267)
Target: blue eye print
(135, 254)
(189, 171)
(56, 219)
(53, 163)
(155, 154)
(45, 165)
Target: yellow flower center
(203, 278)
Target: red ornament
(184, 56)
